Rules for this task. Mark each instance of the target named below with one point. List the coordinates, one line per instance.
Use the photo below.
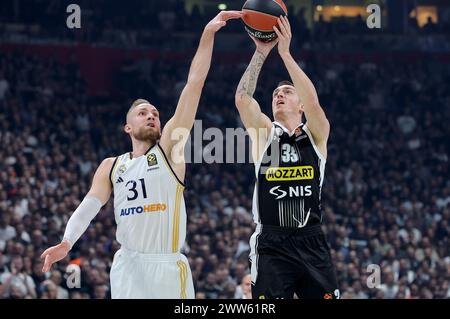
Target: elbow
(195, 83)
(323, 120)
(241, 100)
(314, 102)
(314, 106)
(238, 99)
(196, 78)
(325, 125)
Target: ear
(127, 128)
(302, 108)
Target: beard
(145, 134)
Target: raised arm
(97, 196)
(258, 125)
(184, 116)
(317, 122)
(248, 107)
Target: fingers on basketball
(226, 15)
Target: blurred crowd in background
(168, 24)
(385, 197)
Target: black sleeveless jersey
(289, 179)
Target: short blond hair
(134, 104)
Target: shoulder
(308, 132)
(108, 162)
(320, 147)
(107, 165)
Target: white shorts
(150, 276)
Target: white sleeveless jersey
(148, 203)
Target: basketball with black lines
(260, 16)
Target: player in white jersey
(148, 193)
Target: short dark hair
(285, 82)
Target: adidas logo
(119, 180)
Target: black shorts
(292, 261)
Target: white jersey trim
(166, 162)
(254, 256)
(268, 142)
(308, 132)
(322, 159)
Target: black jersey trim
(150, 148)
(170, 167)
(146, 152)
(111, 171)
(276, 123)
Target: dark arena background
(65, 90)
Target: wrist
(262, 52)
(207, 31)
(285, 55)
(66, 244)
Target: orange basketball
(260, 16)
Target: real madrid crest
(122, 168)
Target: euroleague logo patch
(151, 159)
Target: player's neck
(140, 148)
(290, 123)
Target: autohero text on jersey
(150, 208)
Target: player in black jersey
(289, 252)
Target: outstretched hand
(54, 254)
(220, 20)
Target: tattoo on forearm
(247, 85)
